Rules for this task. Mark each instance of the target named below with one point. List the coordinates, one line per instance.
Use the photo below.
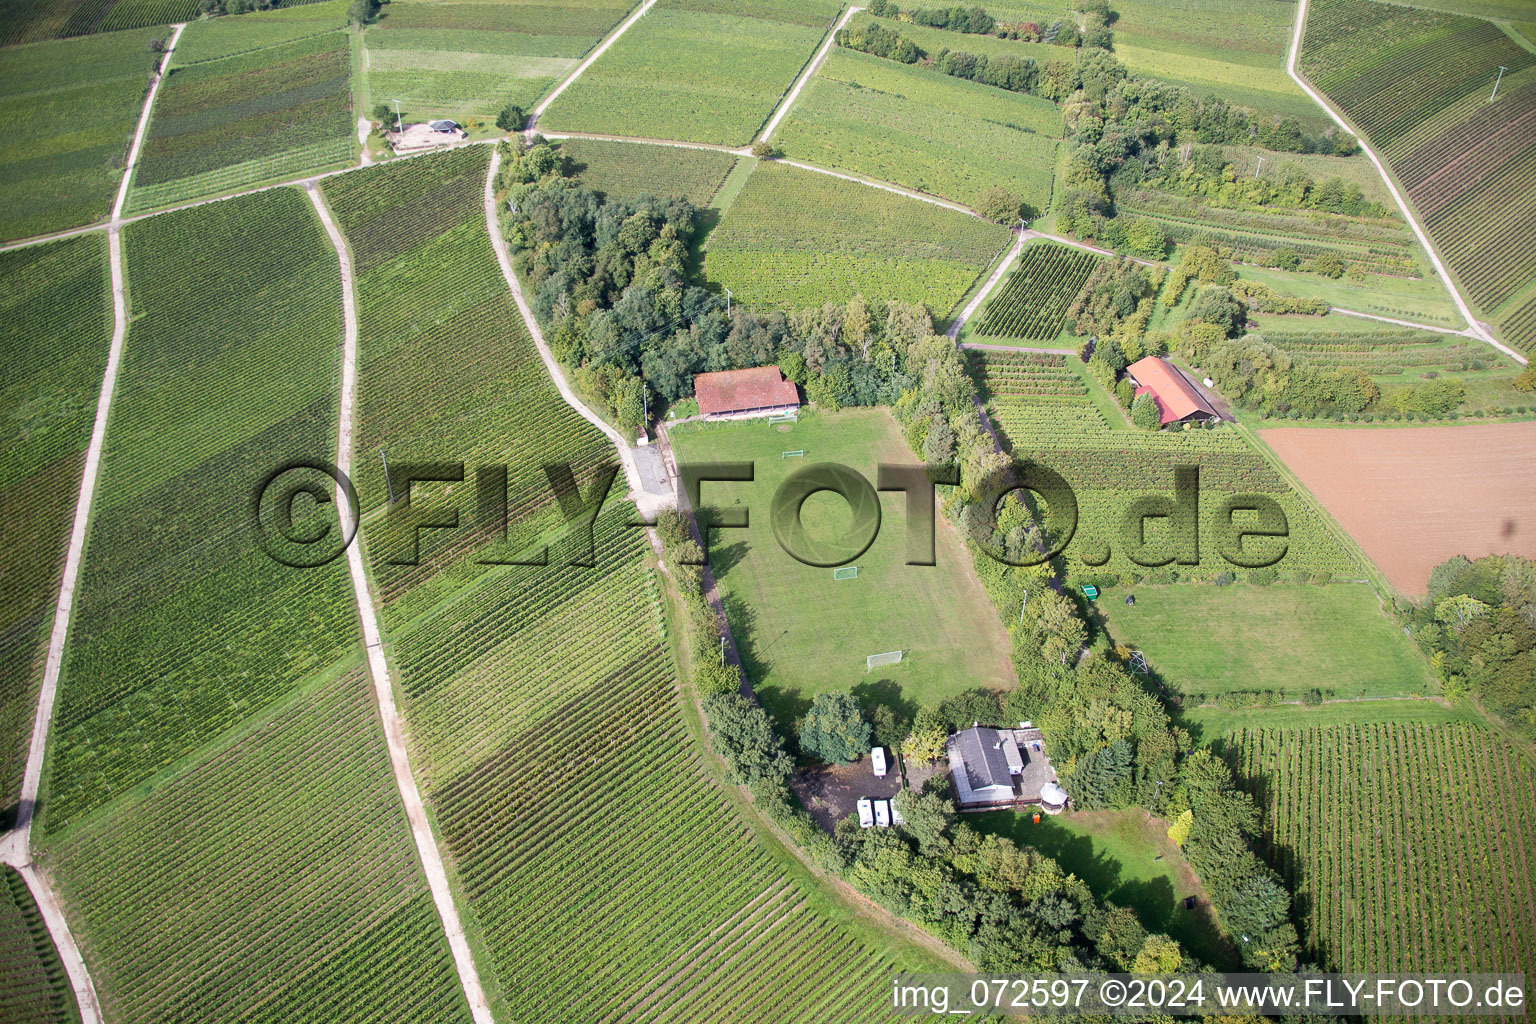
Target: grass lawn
(1421, 300)
(1128, 860)
(802, 633)
(1211, 640)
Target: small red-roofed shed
(761, 391)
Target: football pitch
(800, 631)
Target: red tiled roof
(741, 390)
(1175, 396)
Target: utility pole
(1496, 82)
(722, 649)
(387, 481)
(398, 126)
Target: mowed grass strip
(183, 626)
(68, 110)
(272, 879)
(800, 631)
(924, 130)
(55, 327)
(796, 238)
(1288, 638)
(696, 71)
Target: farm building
(991, 767)
(415, 137)
(1177, 398)
(761, 391)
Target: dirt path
(645, 141)
(986, 289)
(806, 75)
(597, 51)
(1465, 332)
(1474, 327)
(138, 135)
(378, 668)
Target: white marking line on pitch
(138, 136)
(1291, 57)
(600, 49)
(394, 735)
(807, 74)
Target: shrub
(834, 728)
(1263, 577)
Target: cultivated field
(1415, 299)
(470, 59)
(1286, 639)
(1411, 847)
(1417, 83)
(1007, 375)
(213, 38)
(621, 169)
(1414, 497)
(183, 626)
(1108, 468)
(218, 125)
(68, 110)
(800, 632)
(1033, 304)
(430, 386)
(30, 21)
(796, 238)
(33, 986)
(55, 325)
(924, 130)
(271, 879)
(696, 70)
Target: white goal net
(877, 660)
(847, 572)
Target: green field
(924, 130)
(696, 70)
(796, 238)
(1128, 860)
(1110, 467)
(31, 21)
(35, 989)
(272, 113)
(466, 60)
(799, 631)
(1033, 304)
(622, 169)
(1206, 641)
(68, 110)
(55, 326)
(1418, 85)
(182, 625)
(213, 38)
(272, 879)
(1420, 300)
(432, 385)
(1410, 847)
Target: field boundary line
(897, 189)
(713, 147)
(378, 668)
(138, 135)
(986, 289)
(807, 74)
(576, 72)
(1292, 57)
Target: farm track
(16, 847)
(1475, 329)
(986, 289)
(378, 668)
(576, 72)
(806, 75)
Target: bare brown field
(1414, 496)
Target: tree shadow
(725, 557)
(886, 693)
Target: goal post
(847, 572)
(875, 661)
(798, 453)
(787, 417)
